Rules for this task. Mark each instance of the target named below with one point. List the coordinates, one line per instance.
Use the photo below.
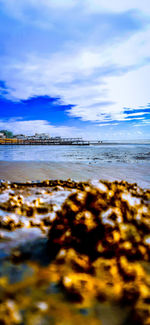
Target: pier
(50, 141)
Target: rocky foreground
(74, 252)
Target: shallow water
(133, 153)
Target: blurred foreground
(74, 252)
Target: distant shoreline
(74, 144)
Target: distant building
(42, 136)
(2, 135)
(39, 136)
(20, 136)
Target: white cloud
(117, 6)
(137, 114)
(35, 3)
(22, 9)
(91, 6)
(95, 97)
(100, 77)
(106, 124)
(40, 126)
(132, 89)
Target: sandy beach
(32, 170)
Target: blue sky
(71, 68)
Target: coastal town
(7, 137)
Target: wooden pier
(62, 141)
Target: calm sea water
(133, 153)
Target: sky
(75, 68)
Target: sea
(130, 162)
(93, 154)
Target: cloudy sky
(75, 67)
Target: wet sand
(31, 170)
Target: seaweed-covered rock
(95, 253)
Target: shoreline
(22, 171)
(91, 143)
